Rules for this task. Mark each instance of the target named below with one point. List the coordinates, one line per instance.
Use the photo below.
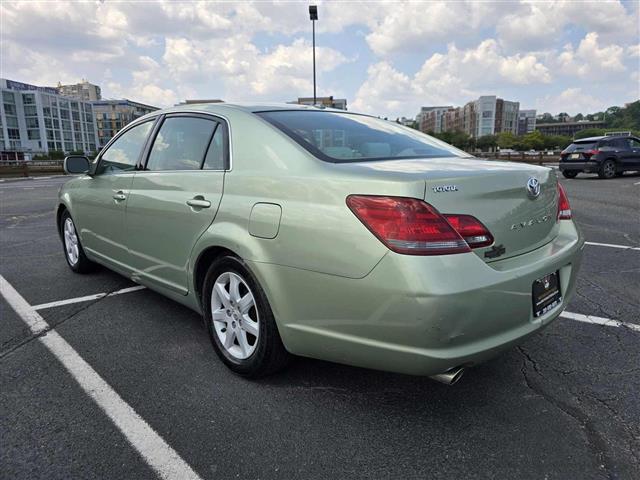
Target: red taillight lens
(592, 152)
(407, 225)
(564, 209)
(471, 229)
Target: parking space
(562, 405)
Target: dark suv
(608, 156)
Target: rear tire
(73, 251)
(570, 173)
(239, 320)
(607, 169)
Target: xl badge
(533, 187)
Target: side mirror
(76, 164)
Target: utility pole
(313, 15)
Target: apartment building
(84, 90)
(568, 129)
(526, 121)
(38, 120)
(488, 115)
(430, 119)
(112, 115)
(329, 102)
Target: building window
(12, 122)
(28, 98)
(14, 133)
(9, 109)
(30, 110)
(32, 122)
(8, 97)
(33, 134)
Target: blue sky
(386, 58)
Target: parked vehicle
(325, 234)
(608, 156)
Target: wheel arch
(205, 258)
(59, 212)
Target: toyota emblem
(533, 187)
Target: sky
(386, 58)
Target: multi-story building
(526, 121)
(568, 129)
(112, 115)
(38, 120)
(493, 115)
(453, 120)
(432, 118)
(82, 91)
(330, 102)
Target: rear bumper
(419, 315)
(588, 167)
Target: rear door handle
(119, 196)
(199, 202)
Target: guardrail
(31, 168)
(539, 158)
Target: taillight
(471, 229)
(564, 209)
(407, 225)
(592, 152)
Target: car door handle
(119, 196)
(199, 202)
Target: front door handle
(199, 202)
(119, 196)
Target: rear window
(581, 147)
(347, 137)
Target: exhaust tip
(450, 376)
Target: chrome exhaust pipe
(450, 376)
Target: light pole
(313, 15)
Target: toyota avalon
(327, 234)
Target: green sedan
(327, 234)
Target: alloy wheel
(71, 242)
(235, 316)
(609, 169)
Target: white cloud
(572, 101)
(591, 59)
(450, 79)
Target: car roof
(221, 107)
(590, 139)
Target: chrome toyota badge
(533, 187)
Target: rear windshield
(347, 137)
(581, 147)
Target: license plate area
(546, 294)
(574, 156)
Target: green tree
(556, 142)
(590, 132)
(486, 142)
(534, 140)
(506, 140)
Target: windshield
(581, 147)
(345, 137)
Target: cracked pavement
(562, 405)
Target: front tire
(73, 251)
(607, 169)
(239, 320)
(570, 173)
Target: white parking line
(612, 245)
(153, 449)
(88, 298)
(607, 322)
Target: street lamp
(313, 15)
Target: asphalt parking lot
(565, 405)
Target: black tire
(607, 169)
(269, 355)
(570, 173)
(81, 264)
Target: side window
(122, 155)
(181, 144)
(621, 144)
(215, 155)
(633, 143)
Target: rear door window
(181, 144)
(216, 152)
